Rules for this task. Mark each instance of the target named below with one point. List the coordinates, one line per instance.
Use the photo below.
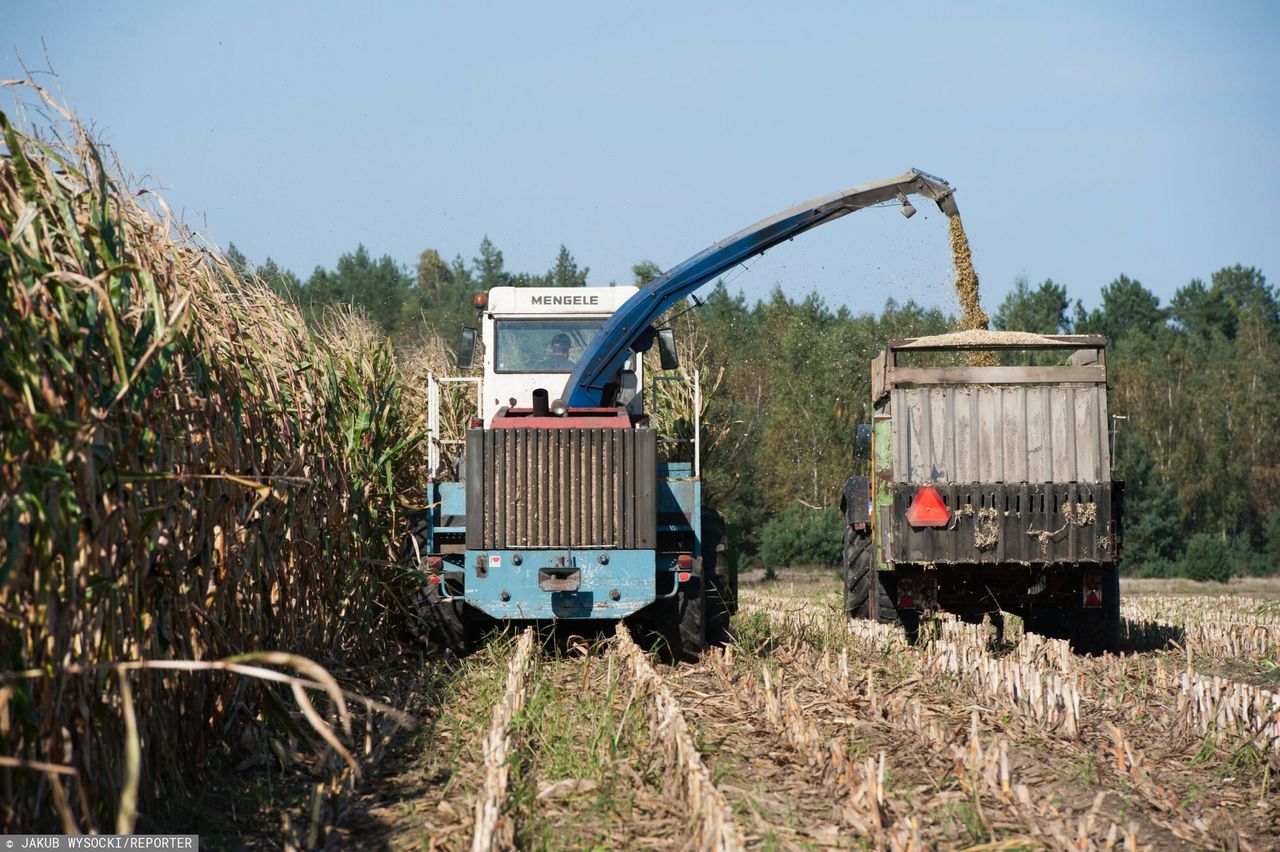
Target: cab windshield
(541, 346)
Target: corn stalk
(187, 473)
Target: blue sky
(1085, 139)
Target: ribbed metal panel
(561, 488)
(1026, 524)
(1000, 434)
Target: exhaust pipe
(541, 406)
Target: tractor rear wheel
(720, 596)
(870, 594)
(866, 593)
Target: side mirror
(466, 348)
(862, 443)
(667, 354)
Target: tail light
(928, 509)
(1092, 591)
(906, 594)
(685, 563)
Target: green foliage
(1151, 531)
(802, 536)
(1271, 532)
(645, 271)
(1207, 558)
(378, 287)
(490, 269)
(566, 272)
(1127, 308)
(434, 298)
(1042, 310)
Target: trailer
(990, 487)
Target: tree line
(1195, 382)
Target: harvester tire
(675, 627)
(447, 631)
(442, 626)
(866, 591)
(720, 596)
(689, 640)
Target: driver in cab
(557, 359)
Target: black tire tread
(720, 597)
(866, 594)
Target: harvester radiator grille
(561, 488)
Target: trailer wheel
(1047, 619)
(867, 594)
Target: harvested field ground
(813, 732)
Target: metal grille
(561, 488)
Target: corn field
(190, 475)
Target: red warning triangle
(1092, 600)
(928, 510)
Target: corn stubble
(187, 473)
(1053, 724)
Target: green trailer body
(1014, 463)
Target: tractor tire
(721, 598)
(870, 594)
(1094, 631)
(866, 594)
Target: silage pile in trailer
(186, 473)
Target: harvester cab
(532, 338)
